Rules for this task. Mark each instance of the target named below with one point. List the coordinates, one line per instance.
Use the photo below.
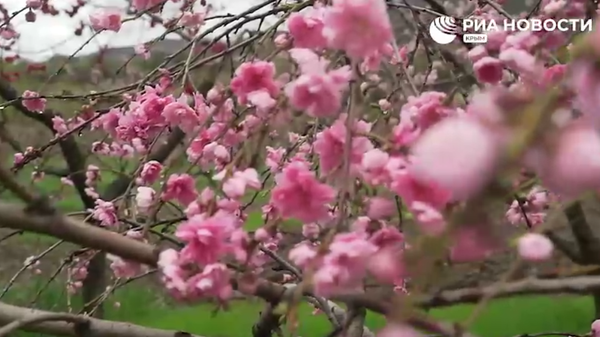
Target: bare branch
(270, 320)
(13, 216)
(13, 317)
(572, 285)
(39, 318)
(356, 320)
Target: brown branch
(39, 318)
(355, 321)
(588, 242)
(571, 285)
(13, 216)
(570, 249)
(13, 317)
(269, 320)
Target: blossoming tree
(305, 146)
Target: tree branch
(572, 285)
(13, 317)
(570, 249)
(39, 318)
(270, 320)
(589, 244)
(13, 216)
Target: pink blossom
(252, 77)
(18, 158)
(358, 27)
(311, 231)
(92, 175)
(32, 103)
(107, 19)
(144, 198)
(282, 40)
(105, 212)
(206, 238)
(180, 114)
(142, 5)
(531, 209)
(521, 61)
(384, 105)
(430, 220)
(300, 195)
(235, 187)
(59, 125)
(388, 237)
(411, 189)
(316, 91)
(459, 154)
(386, 265)
(306, 28)
(330, 148)
(123, 268)
(554, 7)
(345, 264)
(477, 53)
(91, 192)
(180, 187)
(535, 247)
(419, 114)
(34, 4)
(375, 167)
(398, 330)
(192, 19)
(596, 328)
(379, 208)
(572, 166)
(554, 74)
(302, 254)
(66, 181)
(586, 86)
(142, 50)
(274, 158)
(150, 172)
(488, 70)
(472, 243)
(214, 281)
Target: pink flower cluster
(195, 271)
(353, 255)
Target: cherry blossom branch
(13, 318)
(12, 216)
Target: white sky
(51, 35)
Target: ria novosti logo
(444, 29)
